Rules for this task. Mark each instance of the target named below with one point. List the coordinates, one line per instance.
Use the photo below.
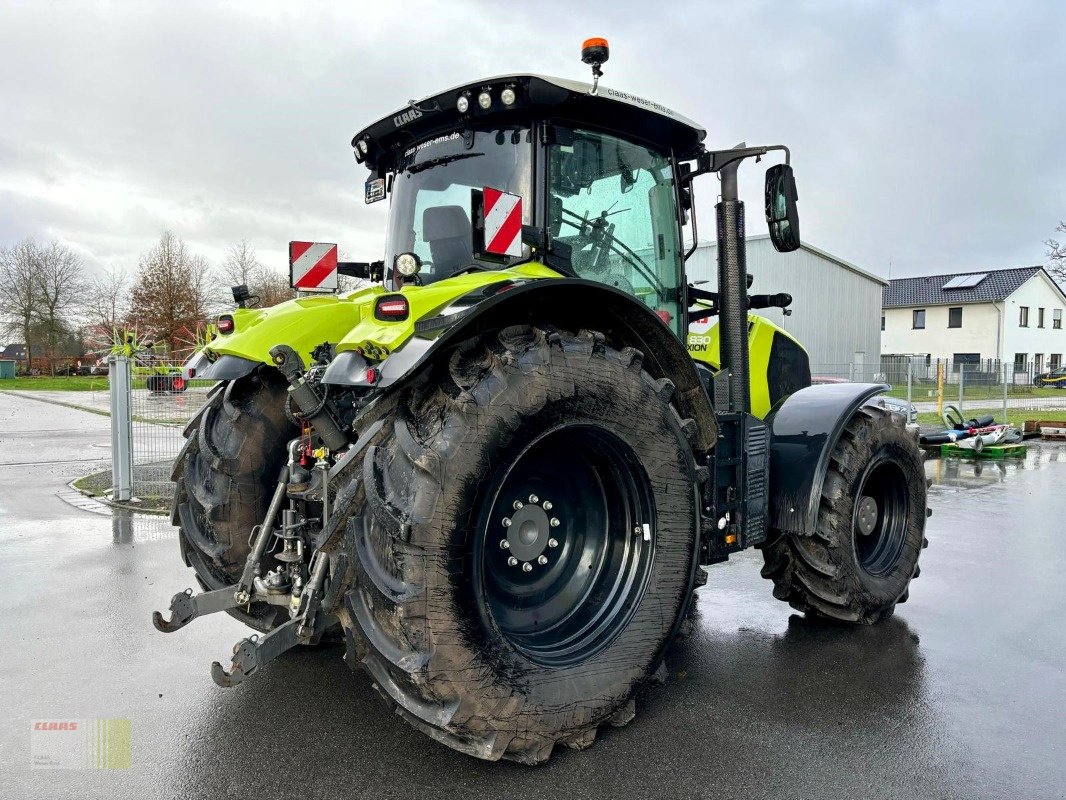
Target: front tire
(871, 527)
(505, 650)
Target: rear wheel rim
(880, 516)
(563, 555)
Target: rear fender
(804, 429)
(566, 303)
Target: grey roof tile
(927, 290)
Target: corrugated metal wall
(836, 311)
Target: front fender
(804, 429)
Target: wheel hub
(880, 516)
(866, 515)
(530, 531)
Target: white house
(1012, 315)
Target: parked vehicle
(1055, 378)
(499, 470)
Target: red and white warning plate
(313, 266)
(503, 223)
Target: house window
(1056, 318)
(882, 322)
(1019, 361)
(967, 360)
(1056, 360)
(1023, 317)
(1040, 318)
(955, 317)
(1038, 362)
(918, 319)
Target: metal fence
(1004, 389)
(154, 403)
(150, 404)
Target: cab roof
(537, 97)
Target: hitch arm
(252, 653)
(186, 606)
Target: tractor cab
(587, 182)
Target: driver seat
(447, 231)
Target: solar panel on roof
(965, 281)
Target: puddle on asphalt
(128, 527)
(980, 473)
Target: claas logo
(55, 726)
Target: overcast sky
(925, 136)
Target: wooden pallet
(989, 451)
(1033, 426)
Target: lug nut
(542, 560)
(553, 543)
(547, 505)
(637, 529)
(555, 522)
(504, 544)
(534, 499)
(527, 567)
(517, 504)
(507, 522)
(512, 562)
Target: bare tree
(242, 266)
(19, 266)
(1056, 254)
(107, 300)
(272, 287)
(106, 306)
(61, 287)
(171, 296)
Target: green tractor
(497, 472)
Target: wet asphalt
(961, 694)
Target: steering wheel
(619, 248)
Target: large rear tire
(871, 527)
(225, 476)
(526, 545)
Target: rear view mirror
(782, 216)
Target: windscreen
(430, 214)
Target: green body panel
(348, 322)
(302, 324)
(705, 347)
(376, 339)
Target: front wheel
(860, 561)
(526, 544)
